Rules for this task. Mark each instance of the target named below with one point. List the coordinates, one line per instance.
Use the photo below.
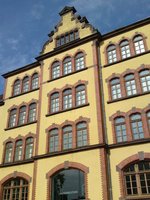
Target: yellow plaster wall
(11, 79)
(126, 35)
(88, 111)
(94, 175)
(126, 105)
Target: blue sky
(24, 25)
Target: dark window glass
(120, 129)
(80, 95)
(53, 140)
(18, 150)
(115, 88)
(130, 85)
(25, 84)
(81, 134)
(55, 70)
(29, 148)
(111, 54)
(145, 80)
(79, 61)
(15, 189)
(32, 112)
(67, 137)
(8, 152)
(17, 87)
(139, 44)
(68, 185)
(12, 118)
(125, 49)
(67, 99)
(54, 102)
(137, 126)
(22, 115)
(67, 66)
(148, 119)
(35, 81)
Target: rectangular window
(67, 140)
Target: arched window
(111, 53)
(125, 49)
(67, 66)
(137, 179)
(137, 126)
(79, 61)
(25, 84)
(8, 152)
(32, 112)
(17, 87)
(55, 70)
(82, 139)
(53, 140)
(115, 88)
(18, 150)
(145, 80)
(29, 148)
(148, 119)
(139, 44)
(68, 184)
(67, 99)
(130, 85)
(34, 81)
(67, 137)
(15, 189)
(54, 102)
(22, 115)
(120, 129)
(80, 95)
(12, 118)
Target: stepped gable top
(67, 9)
(69, 22)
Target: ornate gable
(70, 23)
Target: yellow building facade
(76, 123)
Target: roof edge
(126, 28)
(21, 69)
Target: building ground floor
(92, 174)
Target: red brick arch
(136, 157)
(67, 165)
(15, 174)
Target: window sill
(20, 162)
(129, 143)
(128, 97)
(6, 129)
(140, 197)
(23, 93)
(73, 108)
(85, 68)
(125, 59)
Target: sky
(25, 25)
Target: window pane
(29, 148)
(65, 189)
(32, 112)
(25, 86)
(67, 66)
(79, 61)
(35, 81)
(55, 70)
(22, 115)
(17, 88)
(15, 189)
